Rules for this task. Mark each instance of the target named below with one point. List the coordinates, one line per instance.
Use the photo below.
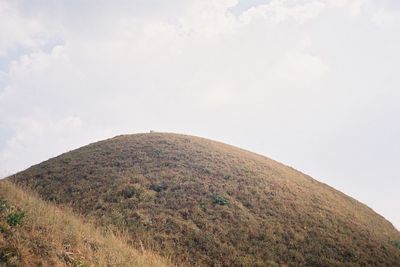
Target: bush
(228, 177)
(128, 192)
(134, 191)
(67, 160)
(159, 187)
(15, 218)
(396, 243)
(220, 200)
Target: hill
(210, 204)
(36, 233)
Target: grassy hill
(36, 233)
(210, 204)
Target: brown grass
(211, 204)
(50, 236)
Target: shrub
(15, 218)
(396, 243)
(228, 177)
(128, 192)
(135, 191)
(67, 160)
(158, 187)
(220, 200)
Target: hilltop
(210, 204)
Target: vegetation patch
(10, 216)
(130, 191)
(67, 160)
(395, 243)
(159, 187)
(3, 205)
(4, 227)
(49, 236)
(15, 218)
(220, 200)
(228, 177)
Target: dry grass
(211, 204)
(50, 236)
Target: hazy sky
(314, 84)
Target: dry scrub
(50, 236)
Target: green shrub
(396, 243)
(15, 218)
(220, 200)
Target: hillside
(36, 233)
(211, 204)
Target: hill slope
(208, 203)
(36, 233)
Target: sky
(314, 84)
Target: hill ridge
(208, 203)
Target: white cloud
(283, 10)
(385, 17)
(31, 133)
(16, 30)
(301, 68)
(352, 6)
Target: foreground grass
(36, 233)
